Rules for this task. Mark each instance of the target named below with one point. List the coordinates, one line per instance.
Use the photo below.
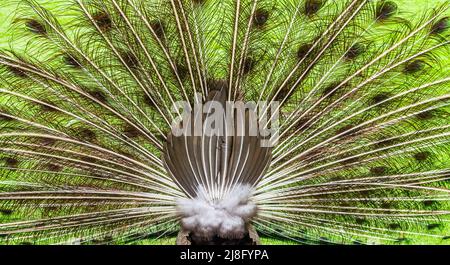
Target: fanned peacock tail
(87, 89)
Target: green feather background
(424, 130)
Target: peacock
(351, 143)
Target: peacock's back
(356, 96)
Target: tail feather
(86, 106)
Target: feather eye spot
(53, 167)
(313, 6)
(386, 10)
(260, 18)
(149, 101)
(16, 71)
(11, 162)
(425, 115)
(356, 50)
(35, 27)
(182, 71)
(303, 51)
(414, 67)
(131, 131)
(331, 90)
(378, 98)
(394, 226)
(360, 220)
(378, 171)
(88, 159)
(422, 156)
(103, 21)
(86, 135)
(317, 18)
(442, 25)
(430, 203)
(6, 211)
(433, 226)
(98, 95)
(158, 29)
(249, 65)
(282, 95)
(161, 138)
(386, 205)
(129, 59)
(384, 143)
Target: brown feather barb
(217, 160)
(352, 147)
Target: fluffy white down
(226, 218)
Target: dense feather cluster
(87, 88)
(225, 219)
